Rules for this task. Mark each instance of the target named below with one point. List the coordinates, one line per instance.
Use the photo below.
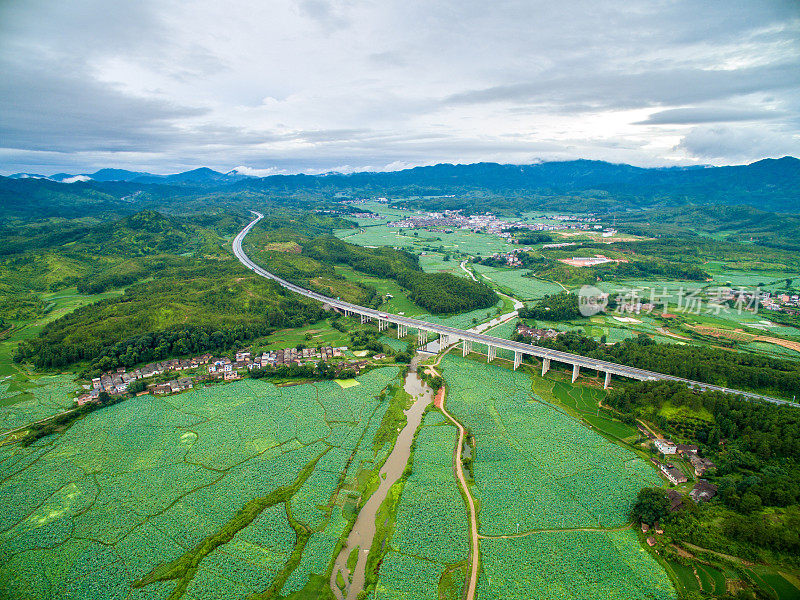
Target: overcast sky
(319, 85)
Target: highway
(479, 338)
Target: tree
(651, 505)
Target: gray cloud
(743, 143)
(692, 116)
(320, 84)
(636, 90)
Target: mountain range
(769, 184)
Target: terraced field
(220, 492)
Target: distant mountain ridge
(769, 184)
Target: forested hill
(770, 184)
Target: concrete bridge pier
(607, 382)
(575, 370)
(444, 341)
(545, 365)
(402, 330)
(365, 318)
(382, 324)
(492, 353)
(422, 337)
(517, 359)
(466, 347)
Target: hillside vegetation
(439, 293)
(185, 292)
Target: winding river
(363, 532)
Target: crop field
(767, 280)
(227, 477)
(563, 565)
(536, 467)
(432, 262)
(431, 527)
(22, 403)
(467, 242)
(513, 281)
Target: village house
(700, 464)
(673, 473)
(536, 334)
(703, 491)
(666, 446)
(675, 500)
(686, 449)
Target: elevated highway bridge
(451, 335)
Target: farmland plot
(538, 470)
(568, 565)
(223, 477)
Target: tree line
(699, 363)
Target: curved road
(453, 333)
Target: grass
(515, 283)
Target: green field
(538, 470)
(432, 262)
(459, 241)
(431, 535)
(535, 466)
(570, 565)
(515, 283)
(231, 478)
(23, 403)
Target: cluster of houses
(489, 223)
(788, 303)
(689, 452)
(117, 382)
(655, 529)
(536, 334)
(293, 355)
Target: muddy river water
(363, 530)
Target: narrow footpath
(474, 553)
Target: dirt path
(473, 516)
(735, 559)
(668, 333)
(508, 536)
(743, 336)
(467, 271)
